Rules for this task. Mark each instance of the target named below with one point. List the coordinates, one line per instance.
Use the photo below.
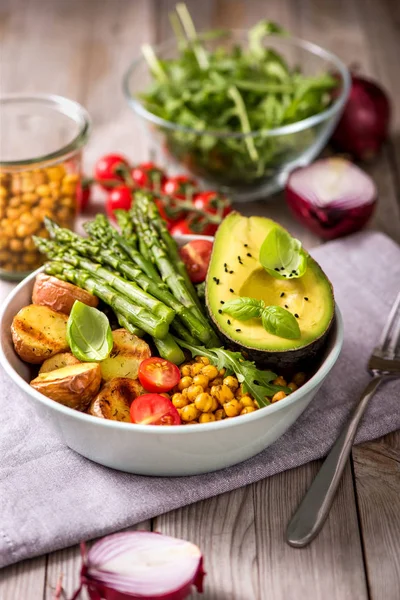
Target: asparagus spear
(130, 289)
(129, 327)
(101, 230)
(137, 315)
(169, 349)
(126, 225)
(92, 249)
(149, 207)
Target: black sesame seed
(230, 272)
(276, 269)
(294, 271)
(305, 298)
(228, 321)
(231, 290)
(225, 265)
(238, 330)
(221, 302)
(246, 245)
(220, 311)
(282, 268)
(286, 306)
(248, 254)
(290, 275)
(296, 315)
(283, 293)
(283, 275)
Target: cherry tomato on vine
(196, 256)
(163, 213)
(107, 167)
(158, 374)
(83, 192)
(184, 227)
(180, 187)
(154, 409)
(148, 175)
(210, 201)
(119, 197)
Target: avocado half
(235, 271)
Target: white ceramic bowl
(166, 451)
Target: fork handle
(314, 508)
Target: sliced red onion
(141, 565)
(332, 197)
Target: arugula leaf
(255, 382)
(279, 321)
(282, 256)
(244, 308)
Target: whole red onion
(332, 197)
(364, 125)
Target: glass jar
(41, 143)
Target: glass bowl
(219, 157)
(42, 137)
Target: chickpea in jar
(26, 198)
(205, 394)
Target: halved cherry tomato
(107, 167)
(119, 197)
(148, 175)
(184, 227)
(209, 201)
(196, 256)
(154, 409)
(158, 374)
(180, 187)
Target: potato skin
(59, 295)
(38, 333)
(126, 355)
(72, 386)
(115, 398)
(58, 361)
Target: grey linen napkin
(51, 497)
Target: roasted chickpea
(247, 410)
(29, 198)
(55, 173)
(217, 381)
(190, 423)
(203, 359)
(220, 414)
(221, 372)
(206, 418)
(201, 380)
(30, 258)
(29, 244)
(279, 381)
(68, 189)
(185, 370)
(43, 190)
(14, 213)
(222, 393)
(292, 386)
(278, 396)
(204, 402)
(27, 185)
(189, 413)
(14, 202)
(233, 408)
(185, 382)
(16, 245)
(215, 404)
(179, 400)
(195, 369)
(299, 378)
(210, 371)
(193, 391)
(3, 243)
(68, 201)
(71, 178)
(231, 382)
(247, 400)
(3, 192)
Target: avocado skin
(287, 362)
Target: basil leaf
(89, 333)
(244, 308)
(279, 321)
(282, 256)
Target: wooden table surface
(81, 49)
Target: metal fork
(384, 364)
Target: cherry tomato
(184, 227)
(180, 187)
(209, 201)
(106, 169)
(158, 374)
(148, 175)
(196, 256)
(119, 197)
(83, 192)
(154, 409)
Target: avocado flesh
(239, 236)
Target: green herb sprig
(282, 255)
(89, 333)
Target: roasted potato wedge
(73, 386)
(58, 361)
(38, 333)
(59, 295)
(115, 398)
(127, 354)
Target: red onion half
(141, 565)
(364, 124)
(332, 197)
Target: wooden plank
(224, 528)
(377, 470)
(24, 580)
(68, 564)
(332, 566)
